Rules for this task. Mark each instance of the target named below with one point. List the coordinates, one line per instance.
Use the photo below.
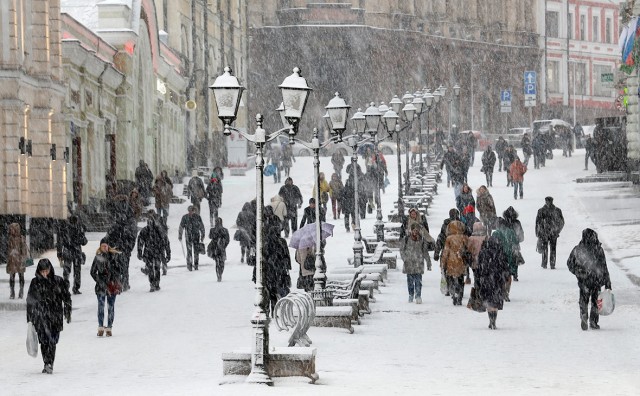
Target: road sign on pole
(505, 101)
(530, 88)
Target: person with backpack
(589, 264)
(48, 303)
(71, 238)
(154, 249)
(217, 248)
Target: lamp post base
(379, 227)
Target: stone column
(633, 111)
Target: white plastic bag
(443, 283)
(606, 302)
(32, 340)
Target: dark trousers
(349, 213)
(549, 245)
(516, 186)
(48, 340)
(414, 284)
(125, 258)
(213, 213)
(291, 217)
(111, 312)
(586, 160)
(335, 207)
(588, 292)
(153, 273)
(67, 265)
(192, 253)
(456, 287)
(489, 176)
(219, 266)
(500, 164)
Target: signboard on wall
(236, 154)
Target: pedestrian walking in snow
(517, 171)
(337, 160)
(122, 236)
(154, 249)
(588, 151)
(48, 303)
(509, 241)
(486, 208)
(144, 180)
(325, 189)
(292, 197)
(309, 215)
(549, 224)
(336, 187)
(442, 236)
(525, 143)
(539, 150)
(17, 253)
(71, 238)
(306, 258)
(163, 192)
(287, 159)
(454, 260)
(107, 274)
(508, 159)
(196, 190)
(510, 218)
(589, 264)
(465, 198)
(213, 194)
(414, 252)
(275, 157)
(279, 208)
(193, 226)
(217, 248)
(277, 263)
(491, 278)
(474, 244)
(246, 233)
(488, 163)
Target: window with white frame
(602, 88)
(595, 27)
(578, 76)
(551, 21)
(553, 76)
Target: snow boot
(418, 300)
(48, 369)
(12, 288)
(21, 292)
(492, 320)
(108, 332)
(100, 331)
(583, 322)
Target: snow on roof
(84, 11)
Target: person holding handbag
(17, 253)
(48, 302)
(107, 273)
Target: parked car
(514, 135)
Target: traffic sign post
(505, 101)
(530, 88)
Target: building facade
(370, 50)
(33, 185)
(581, 80)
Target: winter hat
(454, 214)
(44, 264)
(468, 209)
(312, 200)
(104, 240)
(548, 200)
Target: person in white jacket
(279, 208)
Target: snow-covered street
(170, 342)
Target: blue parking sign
(505, 95)
(530, 83)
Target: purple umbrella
(305, 237)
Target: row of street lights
(227, 92)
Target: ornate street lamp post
(428, 100)
(409, 112)
(227, 92)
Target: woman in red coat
(517, 171)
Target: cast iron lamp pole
(227, 92)
(428, 100)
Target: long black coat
(492, 273)
(488, 161)
(214, 193)
(193, 226)
(292, 197)
(549, 222)
(246, 222)
(153, 244)
(348, 197)
(122, 236)
(588, 263)
(71, 238)
(48, 302)
(219, 240)
(277, 263)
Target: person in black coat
(491, 276)
(348, 203)
(192, 224)
(48, 302)
(107, 272)
(217, 248)
(549, 224)
(309, 215)
(488, 163)
(122, 237)
(292, 197)
(501, 147)
(509, 156)
(246, 233)
(510, 218)
(277, 263)
(539, 150)
(154, 249)
(213, 194)
(589, 264)
(362, 189)
(71, 238)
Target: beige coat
(279, 207)
(301, 255)
(17, 251)
(456, 243)
(475, 242)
